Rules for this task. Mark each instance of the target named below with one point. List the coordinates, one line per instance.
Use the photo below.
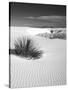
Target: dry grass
(24, 47)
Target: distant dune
(55, 33)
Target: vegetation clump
(24, 47)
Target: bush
(24, 47)
(59, 36)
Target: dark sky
(37, 15)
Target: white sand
(16, 32)
(47, 71)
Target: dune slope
(49, 70)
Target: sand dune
(47, 71)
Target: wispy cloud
(51, 17)
(30, 17)
(46, 17)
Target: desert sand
(49, 70)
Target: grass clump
(24, 47)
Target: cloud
(47, 17)
(51, 17)
(48, 21)
(29, 17)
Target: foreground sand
(47, 71)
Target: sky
(37, 15)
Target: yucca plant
(24, 47)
